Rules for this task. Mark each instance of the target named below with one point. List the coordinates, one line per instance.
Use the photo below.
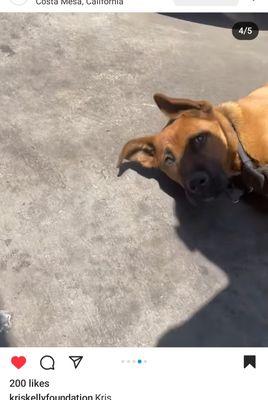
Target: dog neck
(230, 118)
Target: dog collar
(254, 177)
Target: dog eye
(169, 158)
(199, 140)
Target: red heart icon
(18, 362)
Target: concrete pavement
(91, 259)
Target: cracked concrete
(91, 259)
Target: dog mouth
(232, 192)
(194, 200)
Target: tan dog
(198, 148)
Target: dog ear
(141, 150)
(173, 107)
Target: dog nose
(198, 182)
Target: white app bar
(134, 6)
(133, 373)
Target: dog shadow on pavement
(5, 335)
(235, 238)
(3, 340)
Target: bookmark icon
(250, 361)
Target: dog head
(192, 149)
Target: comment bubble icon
(47, 363)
